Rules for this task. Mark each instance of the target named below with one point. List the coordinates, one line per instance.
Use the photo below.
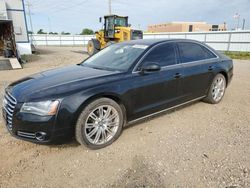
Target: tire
(91, 130)
(93, 47)
(217, 88)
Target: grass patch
(238, 55)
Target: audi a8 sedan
(121, 84)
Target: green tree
(65, 33)
(53, 33)
(87, 31)
(40, 31)
(30, 32)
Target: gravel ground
(200, 145)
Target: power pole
(28, 4)
(110, 7)
(243, 24)
(238, 22)
(50, 30)
(237, 16)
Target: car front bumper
(35, 128)
(30, 127)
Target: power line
(51, 5)
(28, 4)
(66, 8)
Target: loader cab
(113, 21)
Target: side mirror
(100, 19)
(150, 67)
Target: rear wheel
(99, 124)
(93, 47)
(217, 89)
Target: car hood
(57, 80)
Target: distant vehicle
(121, 84)
(116, 29)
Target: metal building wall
(16, 13)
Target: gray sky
(72, 16)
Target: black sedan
(121, 84)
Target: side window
(208, 53)
(163, 54)
(193, 52)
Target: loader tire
(93, 46)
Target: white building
(12, 12)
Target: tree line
(85, 31)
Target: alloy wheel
(101, 124)
(218, 89)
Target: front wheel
(99, 124)
(217, 89)
(93, 47)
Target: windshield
(121, 22)
(115, 57)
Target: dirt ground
(201, 145)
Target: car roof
(150, 42)
(153, 42)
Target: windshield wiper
(100, 68)
(94, 67)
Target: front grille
(26, 134)
(9, 106)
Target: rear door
(157, 90)
(198, 63)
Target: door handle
(210, 68)
(177, 75)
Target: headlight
(43, 108)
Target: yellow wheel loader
(116, 29)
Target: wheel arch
(225, 75)
(90, 99)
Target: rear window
(193, 52)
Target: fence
(60, 40)
(219, 40)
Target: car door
(198, 63)
(156, 90)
